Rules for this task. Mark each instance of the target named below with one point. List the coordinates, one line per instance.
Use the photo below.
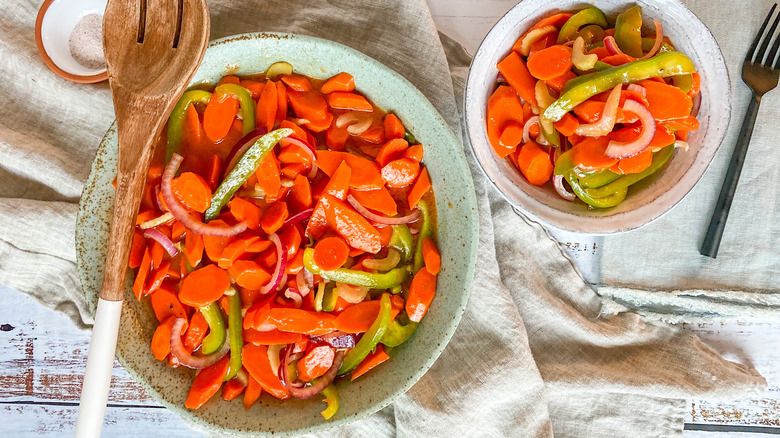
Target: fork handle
(711, 242)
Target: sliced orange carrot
(291, 239)
(341, 82)
(300, 197)
(696, 86)
(254, 87)
(349, 101)
(335, 137)
(302, 321)
(589, 153)
(207, 383)
(519, 78)
(229, 79)
(252, 392)
(689, 123)
(618, 59)
(374, 135)
(358, 318)
(268, 177)
(193, 248)
(161, 340)
(550, 63)
(420, 188)
(140, 276)
(556, 20)
(601, 52)
(385, 234)
(503, 107)
(331, 253)
(309, 105)
(421, 293)
(365, 175)
(667, 101)
(165, 303)
(351, 225)
(256, 362)
(400, 173)
(203, 286)
(245, 211)
(281, 102)
(635, 164)
(534, 163)
(511, 134)
(316, 362)
(219, 115)
(137, 249)
(214, 245)
(265, 115)
(177, 231)
(567, 125)
(371, 361)
(192, 191)
(295, 265)
(157, 251)
(393, 127)
(338, 186)
(235, 250)
(193, 129)
(544, 42)
(274, 217)
(232, 389)
(378, 200)
(158, 276)
(293, 153)
(297, 82)
(248, 274)
(196, 331)
(590, 111)
(663, 137)
(321, 125)
(559, 82)
(214, 170)
(431, 256)
(271, 337)
(298, 132)
(318, 222)
(415, 152)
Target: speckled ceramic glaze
(647, 200)
(457, 232)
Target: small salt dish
(68, 34)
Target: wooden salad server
(152, 50)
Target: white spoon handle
(100, 363)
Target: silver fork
(760, 72)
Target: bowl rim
(466, 279)
(81, 79)
(471, 137)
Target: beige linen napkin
(534, 354)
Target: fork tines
(760, 56)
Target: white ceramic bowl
(647, 200)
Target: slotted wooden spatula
(152, 50)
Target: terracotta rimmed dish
(652, 197)
(457, 232)
(53, 25)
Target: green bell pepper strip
(683, 82)
(332, 399)
(647, 45)
(426, 230)
(385, 280)
(659, 159)
(397, 334)
(586, 86)
(370, 339)
(564, 163)
(628, 32)
(330, 298)
(235, 333)
(580, 19)
(402, 240)
(245, 167)
(216, 337)
(606, 202)
(598, 179)
(176, 120)
(245, 103)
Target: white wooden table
(42, 361)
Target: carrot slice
(252, 392)
(254, 87)
(519, 78)
(292, 240)
(335, 137)
(358, 318)
(214, 245)
(274, 217)
(667, 101)
(349, 101)
(400, 173)
(431, 256)
(378, 200)
(300, 197)
(245, 211)
(298, 132)
(421, 293)
(271, 337)
(203, 286)
(140, 276)
(196, 331)
(567, 125)
(192, 191)
(341, 82)
(338, 186)
(265, 116)
(589, 153)
(281, 102)
(235, 250)
(158, 276)
(193, 129)
(331, 253)
(365, 175)
(415, 152)
(229, 79)
(256, 362)
(267, 173)
(550, 63)
(232, 389)
(534, 163)
(503, 107)
(248, 274)
(371, 361)
(321, 125)
(542, 43)
(297, 82)
(193, 248)
(161, 339)
(689, 123)
(207, 383)
(219, 115)
(302, 321)
(393, 127)
(318, 222)
(165, 303)
(316, 362)
(137, 249)
(635, 164)
(419, 189)
(590, 111)
(512, 134)
(309, 105)
(374, 135)
(351, 225)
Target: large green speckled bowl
(457, 232)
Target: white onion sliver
(659, 38)
(559, 187)
(636, 88)
(167, 217)
(620, 150)
(527, 128)
(382, 219)
(163, 240)
(281, 264)
(188, 360)
(300, 281)
(534, 36)
(606, 122)
(679, 144)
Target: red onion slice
(294, 295)
(612, 46)
(281, 264)
(188, 360)
(527, 128)
(241, 147)
(338, 339)
(156, 199)
(324, 381)
(413, 216)
(659, 38)
(620, 150)
(298, 217)
(163, 240)
(636, 88)
(181, 214)
(606, 122)
(300, 281)
(696, 105)
(559, 187)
